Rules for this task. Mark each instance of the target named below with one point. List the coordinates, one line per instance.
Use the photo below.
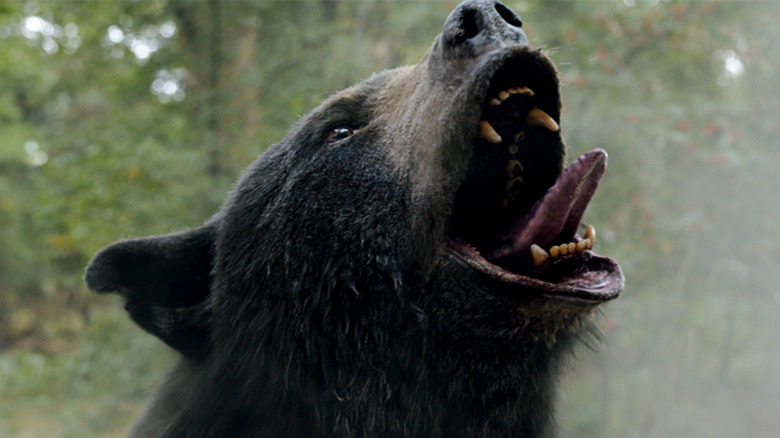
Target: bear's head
(411, 250)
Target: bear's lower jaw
(584, 278)
(517, 256)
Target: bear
(408, 261)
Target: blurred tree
(135, 117)
(84, 146)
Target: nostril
(508, 15)
(483, 25)
(468, 25)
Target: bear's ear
(165, 281)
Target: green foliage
(89, 153)
(90, 389)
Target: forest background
(131, 118)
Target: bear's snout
(479, 26)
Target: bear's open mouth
(516, 215)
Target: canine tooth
(541, 258)
(555, 251)
(537, 117)
(494, 102)
(503, 95)
(590, 234)
(513, 169)
(487, 132)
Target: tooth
(513, 149)
(554, 251)
(487, 132)
(541, 258)
(572, 247)
(514, 185)
(563, 249)
(588, 243)
(519, 136)
(522, 90)
(494, 102)
(537, 117)
(581, 245)
(590, 233)
(503, 95)
(513, 169)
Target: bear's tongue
(554, 218)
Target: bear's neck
(416, 381)
(498, 393)
(447, 391)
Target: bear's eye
(340, 134)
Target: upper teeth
(487, 132)
(522, 90)
(513, 169)
(536, 117)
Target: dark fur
(322, 300)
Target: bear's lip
(518, 91)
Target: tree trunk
(219, 42)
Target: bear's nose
(479, 26)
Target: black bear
(408, 261)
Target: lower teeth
(542, 258)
